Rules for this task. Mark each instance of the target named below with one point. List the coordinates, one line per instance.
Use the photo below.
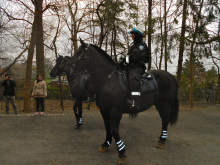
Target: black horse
(111, 98)
(77, 87)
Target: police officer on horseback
(135, 59)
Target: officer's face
(132, 36)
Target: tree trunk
(114, 47)
(39, 39)
(161, 32)
(191, 77)
(36, 39)
(149, 32)
(192, 54)
(180, 61)
(218, 88)
(165, 34)
(73, 25)
(27, 85)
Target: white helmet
(138, 30)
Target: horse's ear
(83, 43)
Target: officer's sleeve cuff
(127, 58)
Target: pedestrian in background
(9, 93)
(39, 92)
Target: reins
(93, 72)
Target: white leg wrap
(80, 120)
(120, 144)
(164, 134)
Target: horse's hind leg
(164, 110)
(107, 122)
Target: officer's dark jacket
(138, 53)
(8, 89)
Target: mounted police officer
(136, 58)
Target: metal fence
(200, 94)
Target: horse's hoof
(160, 145)
(77, 126)
(122, 161)
(103, 149)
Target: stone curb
(59, 114)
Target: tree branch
(8, 67)
(205, 42)
(13, 18)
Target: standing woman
(39, 92)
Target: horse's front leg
(116, 116)
(78, 114)
(75, 110)
(107, 122)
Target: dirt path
(51, 139)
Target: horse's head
(58, 69)
(79, 61)
(89, 58)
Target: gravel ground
(51, 139)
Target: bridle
(60, 66)
(84, 56)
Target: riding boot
(135, 101)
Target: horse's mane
(103, 52)
(58, 58)
(68, 57)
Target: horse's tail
(174, 111)
(133, 115)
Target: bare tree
(149, 31)
(182, 40)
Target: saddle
(148, 82)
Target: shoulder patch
(141, 47)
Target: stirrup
(132, 103)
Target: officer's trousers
(134, 77)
